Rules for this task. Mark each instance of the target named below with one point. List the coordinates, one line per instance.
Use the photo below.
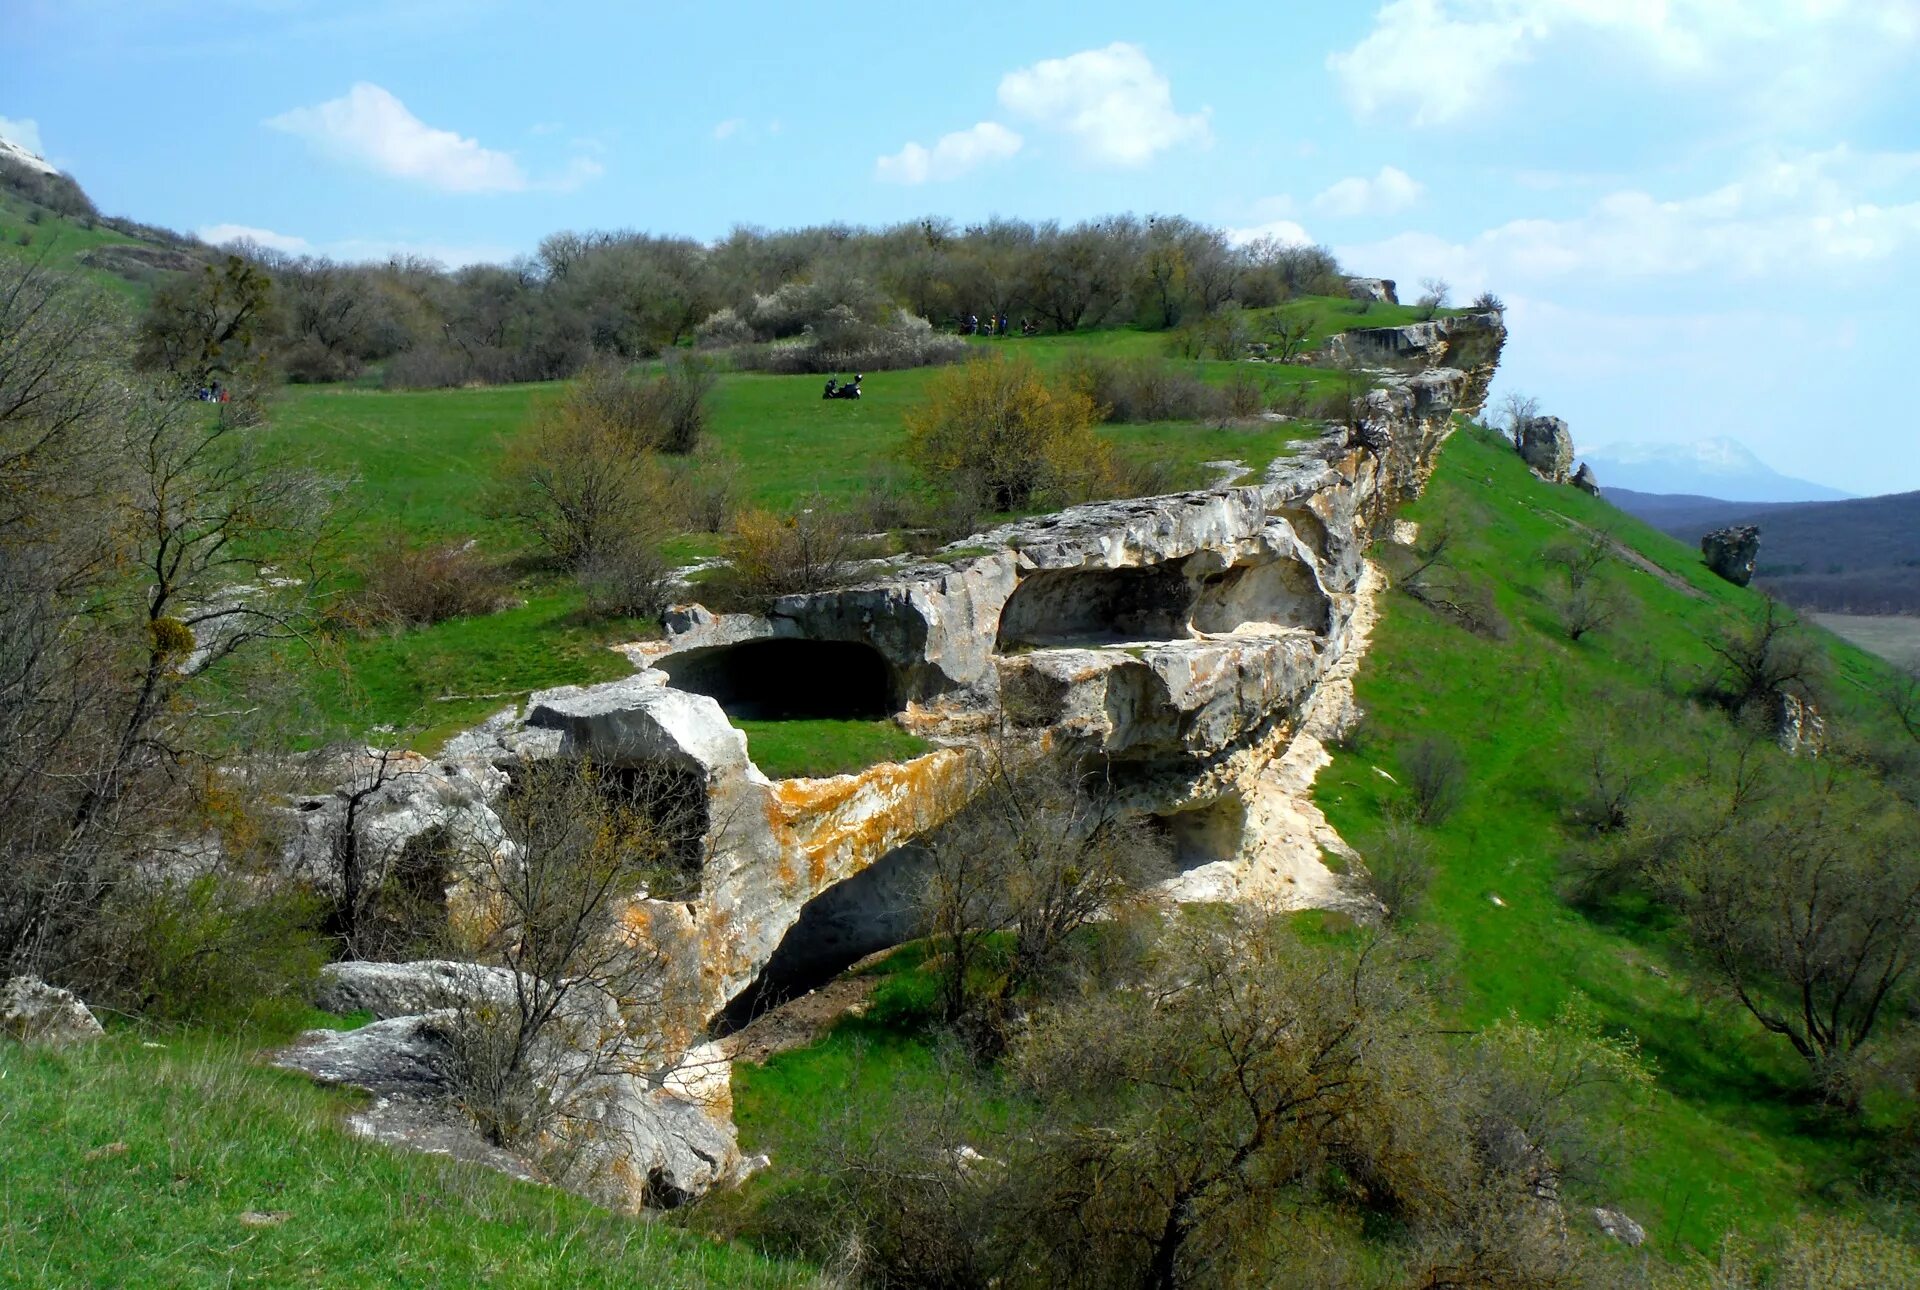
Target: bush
(1401, 864)
(583, 482)
(668, 413)
(210, 946)
(626, 577)
(1144, 389)
(842, 342)
(998, 430)
(410, 585)
(777, 555)
(1436, 778)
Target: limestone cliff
(1197, 642)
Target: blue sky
(1703, 214)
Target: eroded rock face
(1546, 445)
(1586, 481)
(1375, 289)
(1731, 552)
(1466, 343)
(1191, 641)
(34, 1012)
(629, 1131)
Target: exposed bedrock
(1198, 643)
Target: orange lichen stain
(838, 826)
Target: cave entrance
(786, 679)
(1204, 834)
(1065, 607)
(875, 909)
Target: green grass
(1735, 1139)
(417, 466)
(58, 243)
(131, 1165)
(817, 747)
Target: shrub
(411, 585)
(580, 483)
(842, 342)
(668, 413)
(207, 946)
(626, 577)
(1144, 389)
(710, 492)
(998, 429)
(1436, 778)
(1401, 864)
(776, 555)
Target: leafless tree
(1516, 409)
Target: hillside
(1858, 556)
(47, 218)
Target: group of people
(212, 393)
(974, 325)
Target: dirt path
(798, 1022)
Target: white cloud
(1390, 190)
(1283, 231)
(952, 156)
(1785, 218)
(25, 132)
(728, 128)
(370, 127)
(1441, 60)
(1111, 102)
(222, 234)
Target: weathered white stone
(37, 1013)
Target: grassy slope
(1735, 1141)
(418, 464)
(131, 1165)
(59, 242)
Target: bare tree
(1043, 850)
(1434, 293)
(1516, 409)
(1763, 658)
(584, 998)
(1586, 604)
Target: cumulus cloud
(24, 131)
(1436, 60)
(222, 234)
(368, 126)
(952, 156)
(1283, 231)
(1114, 105)
(1390, 190)
(1786, 217)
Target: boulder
(1380, 290)
(1731, 552)
(1585, 480)
(1619, 1226)
(624, 1135)
(1546, 445)
(37, 1013)
(389, 990)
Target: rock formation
(1546, 445)
(1731, 552)
(1586, 481)
(1197, 643)
(1380, 290)
(37, 1013)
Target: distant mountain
(1714, 468)
(1858, 556)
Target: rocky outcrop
(34, 1012)
(1377, 290)
(1586, 481)
(1467, 343)
(1798, 726)
(1617, 1225)
(1731, 552)
(629, 1125)
(1546, 445)
(1195, 643)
